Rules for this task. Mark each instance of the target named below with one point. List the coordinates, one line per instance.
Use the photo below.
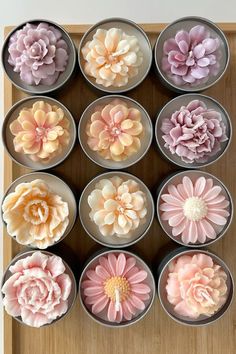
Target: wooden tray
(156, 333)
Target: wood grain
(156, 333)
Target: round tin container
(186, 23)
(175, 105)
(92, 229)
(92, 263)
(23, 159)
(132, 29)
(40, 89)
(145, 137)
(68, 270)
(175, 179)
(57, 186)
(162, 280)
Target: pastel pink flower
(195, 210)
(196, 286)
(114, 131)
(38, 289)
(194, 132)
(38, 53)
(191, 58)
(116, 288)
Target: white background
(91, 11)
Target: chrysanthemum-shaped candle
(38, 289)
(41, 132)
(116, 288)
(35, 215)
(114, 131)
(112, 57)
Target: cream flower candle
(114, 131)
(37, 290)
(41, 132)
(35, 215)
(118, 207)
(196, 286)
(112, 57)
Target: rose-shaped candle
(35, 215)
(38, 289)
(196, 286)
(114, 131)
(196, 210)
(112, 57)
(194, 132)
(38, 53)
(41, 132)
(116, 288)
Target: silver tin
(68, 270)
(58, 186)
(145, 138)
(93, 261)
(23, 159)
(176, 178)
(40, 89)
(162, 279)
(92, 229)
(131, 28)
(174, 105)
(186, 23)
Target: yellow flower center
(117, 288)
(195, 208)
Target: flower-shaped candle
(37, 288)
(116, 288)
(116, 209)
(194, 208)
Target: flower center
(117, 289)
(36, 212)
(195, 208)
(40, 132)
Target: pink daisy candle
(117, 288)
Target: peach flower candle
(37, 290)
(35, 215)
(196, 286)
(195, 210)
(112, 57)
(117, 207)
(41, 131)
(114, 131)
(116, 287)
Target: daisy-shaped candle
(116, 209)
(194, 208)
(191, 54)
(195, 287)
(39, 210)
(115, 131)
(116, 288)
(38, 288)
(39, 133)
(115, 55)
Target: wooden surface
(156, 333)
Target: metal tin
(58, 186)
(145, 138)
(23, 159)
(186, 23)
(162, 278)
(68, 270)
(40, 89)
(92, 229)
(174, 105)
(175, 179)
(93, 261)
(131, 28)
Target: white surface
(78, 11)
